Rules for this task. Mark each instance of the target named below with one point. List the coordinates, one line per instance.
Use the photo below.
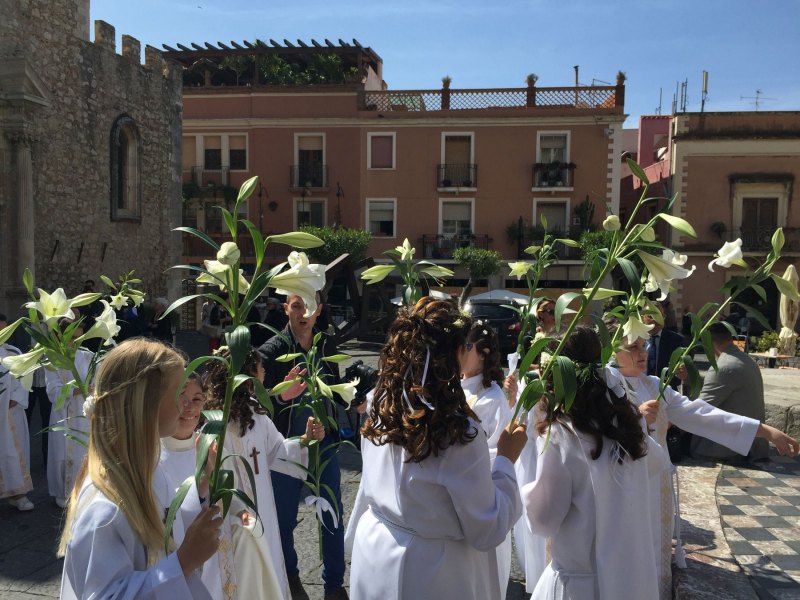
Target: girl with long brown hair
(587, 496)
(434, 507)
(113, 538)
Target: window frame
(299, 200)
(567, 201)
(443, 201)
(394, 217)
(766, 189)
(133, 209)
(393, 135)
(565, 132)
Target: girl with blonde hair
(113, 538)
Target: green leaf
(240, 379)
(565, 384)
(230, 220)
(759, 290)
(224, 490)
(239, 345)
(263, 397)
(247, 188)
(203, 446)
(258, 241)
(630, 272)
(785, 287)
(173, 510)
(337, 358)
(213, 415)
(191, 231)
(181, 301)
(681, 225)
(605, 339)
(730, 329)
(752, 312)
(108, 282)
(27, 280)
(637, 170)
(532, 393)
(534, 351)
(695, 381)
(778, 240)
(250, 476)
(213, 427)
(283, 358)
(708, 348)
(562, 303)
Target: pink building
(446, 167)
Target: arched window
(126, 181)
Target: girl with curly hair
(587, 496)
(432, 507)
(253, 437)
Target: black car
(500, 317)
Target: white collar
(175, 445)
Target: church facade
(90, 143)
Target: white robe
(531, 549)
(274, 453)
(491, 406)
(601, 544)
(105, 559)
(427, 529)
(65, 455)
(695, 416)
(15, 452)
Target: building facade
(89, 153)
(444, 168)
(733, 175)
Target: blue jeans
(288, 491)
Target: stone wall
(59, 97)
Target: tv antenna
(758, 99)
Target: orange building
(444, 168)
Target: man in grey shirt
(736, 386)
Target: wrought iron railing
(457, 175)
(547, 175)
(202, 176)
(313, 175)
(563, 252)
(580, 98)
(760, 238)
(442, 246)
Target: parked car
(501, 317)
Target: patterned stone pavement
(759, 507)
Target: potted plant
(718, 228)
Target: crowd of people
(587, 488)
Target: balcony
(308, 176)
(457, 176)
(759, 239)
(553, 176)
(203, 176)
(442, 246)
(584, 98)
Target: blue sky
(746, 45)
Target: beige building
(445, 167)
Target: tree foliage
(337, 242)
(479, 263)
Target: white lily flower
(22, 366)
(611, 223)
(219, 276)
(729, 254)
(52, 307)
(520, 269)
(105, 326)
(661, 271)
(302, 279)
(406, 250)
(635, 329)
(347, 391)
(118, 301)
(137, 299)
(377, 273)
(228, 254)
